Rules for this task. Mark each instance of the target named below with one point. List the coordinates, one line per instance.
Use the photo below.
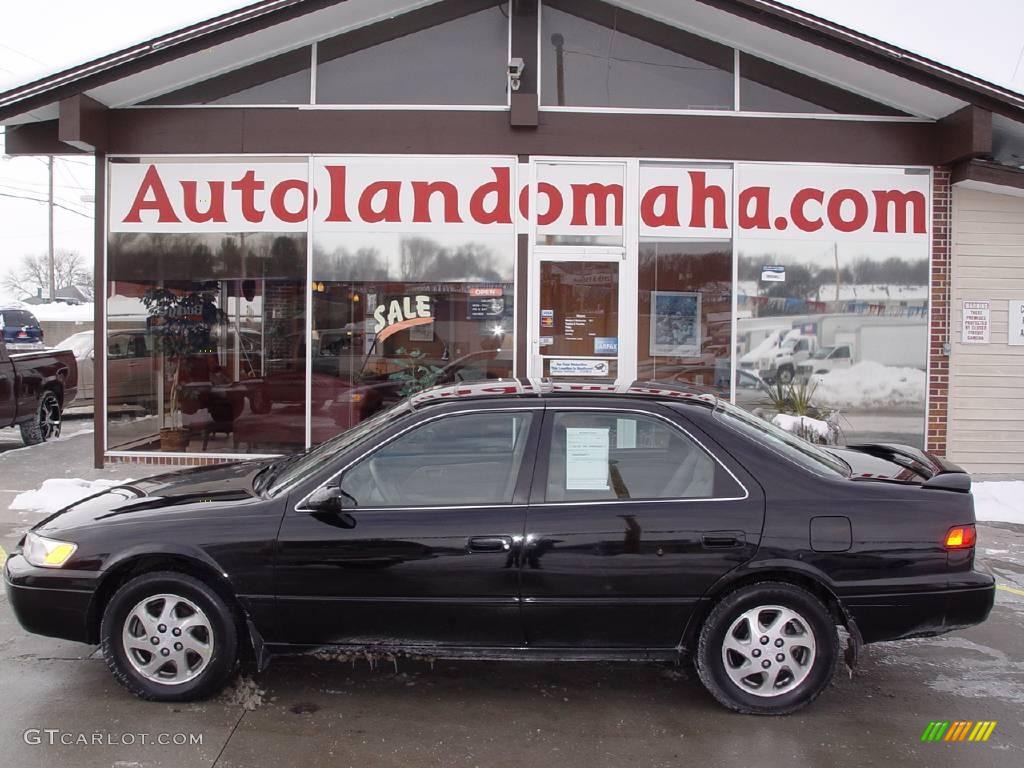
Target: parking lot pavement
(307, 711)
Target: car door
(7, 401)
(631, 519)
(425, 550)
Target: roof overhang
(764, 28)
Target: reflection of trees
(810, 280)
(423, 259)
(156, 256)
(419, 259)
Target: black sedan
(520, 520)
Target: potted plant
(180, 323)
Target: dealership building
(309, 209)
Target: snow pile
(803, 425)
(870, 385)
(59, 312)
(57, 493)
(1001, 501)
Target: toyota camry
(524, 520)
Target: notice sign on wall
(976, 322)
(1015, 336)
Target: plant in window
(420, 373)
(180, 324)
(813, 423)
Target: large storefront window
(837, 314)
(202, 332)
(394, 313)
(685, 313)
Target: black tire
(223, 622)
(711, 664)
(785, 374)
(47, 423)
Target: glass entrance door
(578, 324)
(581, 276)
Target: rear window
(779, 440)
(17, 318)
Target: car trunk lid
(903, 463)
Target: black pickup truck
(34, 388)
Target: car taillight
(22, 334)
(961, 537)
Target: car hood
(157, 495)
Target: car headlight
(47, 553)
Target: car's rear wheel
(167, 636)
(47, 423)
(767, 649)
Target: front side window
(599, 456)
(469, 459)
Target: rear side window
(609, 455)
(457, 460)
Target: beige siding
(986, 383)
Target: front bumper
(923, 614)
(48, 601)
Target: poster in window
(586, 459)
(675, 324)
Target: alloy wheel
(167, 639)
(768, 650)
(49, 417)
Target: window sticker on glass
(546, 341)
(606, 345)
(586, 459)
(625, 433)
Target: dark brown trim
(159, 50)
(522, 304)
(274, 68)
(965, 134)
(83, 123)
(703, 137)
(654, 32)
(37, 139)
(525, 20)
(801, 86)
(900, 62)
(398, 26)
(988, 173)
(100, 307)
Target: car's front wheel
(767, 649)
(167, 636)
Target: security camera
(516, 67)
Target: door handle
(723, 540)
(490, 544)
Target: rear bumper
(923, 614)
(44, 604)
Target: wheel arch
(133, 564)
(797, 574)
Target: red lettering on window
(161, 203)
(835, 210)
(390, 211)
(758, 218)
(277, 205)
(421, 194)
(249, 186)
(669, 216)
(338, 211)
(702, 195)
(899, 201)
(600, 193)
(798, 209)
(501, 189)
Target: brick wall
(938, 366)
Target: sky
(986, 42)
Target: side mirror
(326, 499)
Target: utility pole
(53, 289)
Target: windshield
(788, 344)
(779, 440)
(822, 353)
(80, 344)
(293, 468)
